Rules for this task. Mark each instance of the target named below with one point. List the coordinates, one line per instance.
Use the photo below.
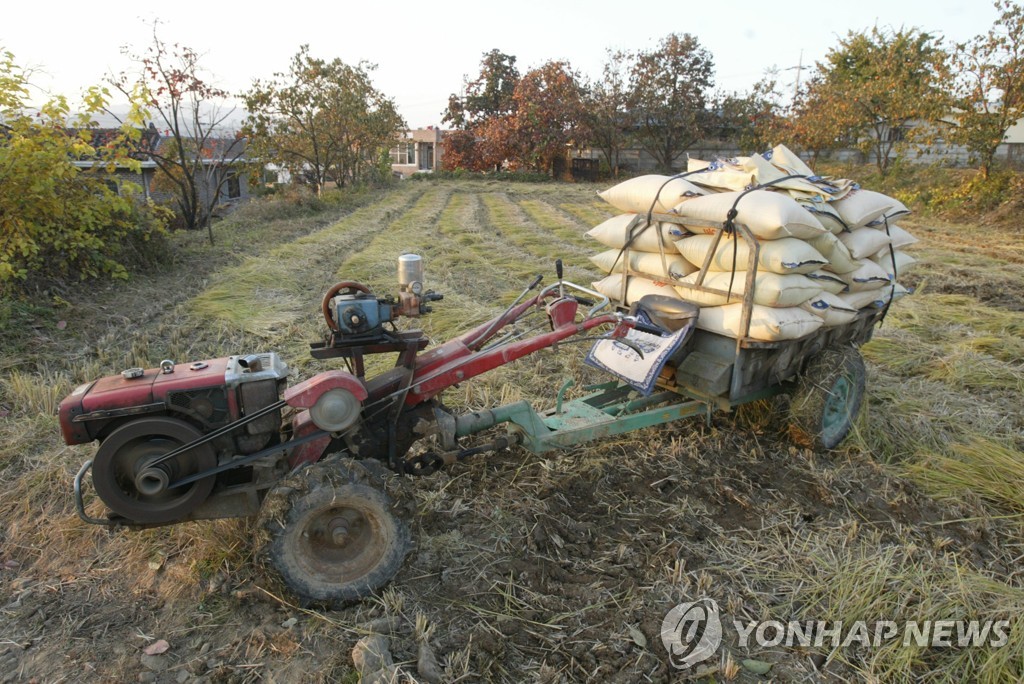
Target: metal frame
(753, 255)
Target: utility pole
(799, 68)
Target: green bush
(950, 193)
(59, 221)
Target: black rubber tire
(828, 398)
(315, 564)
(129, 447)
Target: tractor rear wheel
(828, 398)
(333, 535)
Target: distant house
(418, 151)
(224, 161)
(221, 159)
(142, 176)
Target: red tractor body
(205, 394)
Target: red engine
(141, 415)
(209, 394)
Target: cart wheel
(827, 399)
(337, 539)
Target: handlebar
(652, 330)
(602, 301)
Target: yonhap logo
(692, 632)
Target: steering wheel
(344, 287)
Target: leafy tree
(668, 89)
(609, 119)
(58, 220)
(484, 113)
(877, 82)
(167, 85)
(989, 85)
(488, 96)
(549, 116)
(815, 124)
(322, 119)
(755, 120)
(460, 151)
(496, 143)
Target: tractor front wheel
(334, 537)
(828, 398)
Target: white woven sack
(768, 215)
(899, 209)
(900, 238)
(831, 308)
(826, 215)
(832, 248)
(615, 231)
(766, 323)
(611, 287)
(741, 173)
(786, 255)
(870, 276)
(876, 298)
(789, 161)
(648, 263)
(770, 289)
(861, 207)
(904, 262)
(637, 194)
(863, 242)
(829, 282)
(858, 300)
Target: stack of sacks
(782, 290)
(826, 247)
(654, 263)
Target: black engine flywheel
(132, 487)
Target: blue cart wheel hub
(836, 412)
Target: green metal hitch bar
(608, 411)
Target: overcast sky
(423, 50)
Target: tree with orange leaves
(549, 117)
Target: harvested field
(528, 568)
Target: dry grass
(531, 568)
(982, 468)
(849, 575)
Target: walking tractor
(228, 437)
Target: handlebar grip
(651, 330)
(584, 301)
(535, 283)
(558, 268)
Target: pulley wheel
(132, 487)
